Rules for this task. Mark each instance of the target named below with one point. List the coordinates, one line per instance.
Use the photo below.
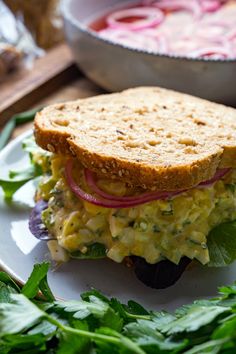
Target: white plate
(20, 250)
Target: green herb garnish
(96, 324)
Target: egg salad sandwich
(146, 177)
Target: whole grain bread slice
(150, 137)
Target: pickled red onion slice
(218, 175)
(113, 203)
(177, 5)
(142, 198)
(145, 17)
(211, 52)
(210, 5)
(117, 202)
(207, 25)
(147, 38)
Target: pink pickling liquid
(190, 28)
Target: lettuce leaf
(18, 178)
(95, 251)
(221, 243)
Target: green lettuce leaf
(18, 178)
(10, 187)
(95, 251)
(221, 243)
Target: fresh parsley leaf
(70, 343)
(126, 345)
(82, 309)
(136, 309)
(119, 308)
(112, 320)
(229, 301)
(18, 315)
(99, 325)
(146, 335)
(4, 293)
(195, 318)
(38, 281)
(46, 328)
(22, 341)
(93, 292)
(228, 290)
(96, 307)
(221, 243)
(5, 278)
(162, 319)
(226, 329)
(130, 312)
(45, 289)
(210, 347)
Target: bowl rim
(66, 13)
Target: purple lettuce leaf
(36, 225)
(160, 275)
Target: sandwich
(146, 177)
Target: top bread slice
(150, 137)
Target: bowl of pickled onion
(185, 45)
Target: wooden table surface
(80, 87)
(49, 81)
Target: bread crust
(150, 137)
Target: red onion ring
(218, 175)
(153, 17)
(141, 199)
(210, 5)
(148, 38)
(214, 35)
(211, 52)
(213, 31)
(107, 203)
(192, 6)
(111, 201)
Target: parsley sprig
(38, 323)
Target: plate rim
(6, 150)
(14, 142)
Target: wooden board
(27, 87)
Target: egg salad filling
(157, 230)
